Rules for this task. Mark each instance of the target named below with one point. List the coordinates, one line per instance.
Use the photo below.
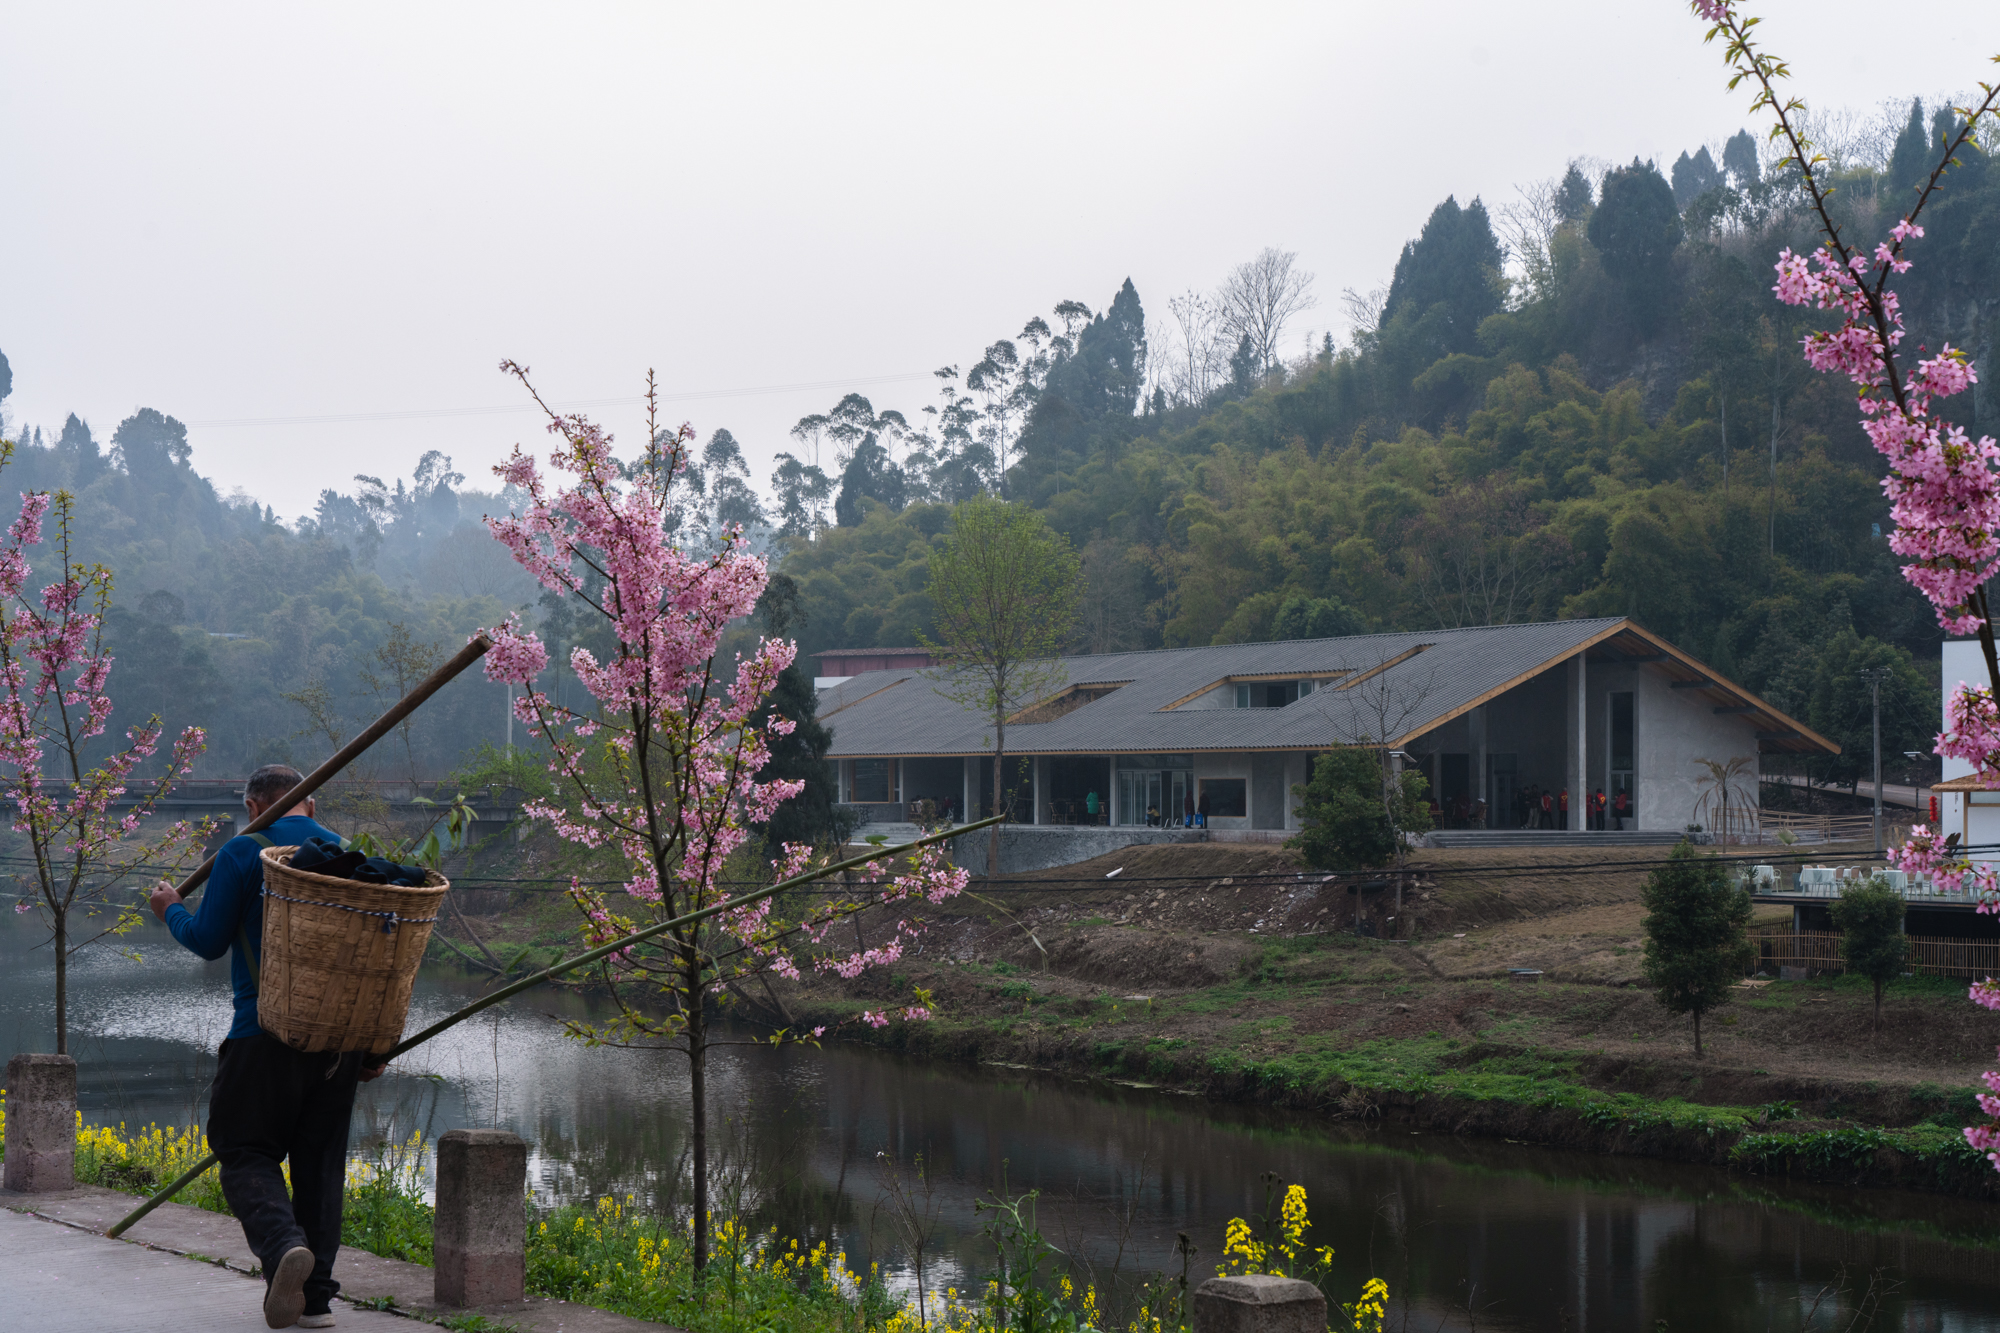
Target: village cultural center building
(1490, 714)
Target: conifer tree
(1909, 161)
(1455, 262)
(1695, 946)
(1573, 196)
(1869, 917)
(1636, 228)
(807, 817)
(1739, 159)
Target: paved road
(1917, 798)
(58, 1279)
(186, 1269)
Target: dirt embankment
(1236, 972)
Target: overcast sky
(311, 231)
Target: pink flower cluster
(1986, 1138)
(1926, 851)
(664, 764)
(53, 670)
(1943, 489)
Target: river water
(1468, 1234)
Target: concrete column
(1477, 726)
(1579, 792)
(1258, 1304)
(41, 1124)
(481, 1231)
(1035, 775)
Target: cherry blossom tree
(661, 768)
(53, 669)
(1943, 486)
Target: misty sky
(311, 232)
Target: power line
(557, 884)
(578, 404)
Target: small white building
(1965, 807)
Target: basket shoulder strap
(250, 951)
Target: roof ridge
(1340, 638)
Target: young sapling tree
(1004, 589)
(662, 765)
(53, 668)
(1695, 944)
(1869, 917)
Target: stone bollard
(41, 1124)
(1258, 1304)
(481, 1234)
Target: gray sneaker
(316, 1320)
(285, 1296)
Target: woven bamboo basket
(339, 956)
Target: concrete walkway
(1915, 798)
(186, 1268)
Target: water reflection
(1509, 1237)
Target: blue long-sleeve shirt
(231, 911)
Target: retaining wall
(1038, 847)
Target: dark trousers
(269, 1103)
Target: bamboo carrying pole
(554, 970)
(349, 752)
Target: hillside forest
(1582, 402)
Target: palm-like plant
(1723, 785)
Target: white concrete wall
(1675, 729)
(1963, 664)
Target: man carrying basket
(269, 1102)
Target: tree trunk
(62, 983)
(697, 1051)
(1878, 1007)
(1697, 1034)
(999, 795)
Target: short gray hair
(270, 782)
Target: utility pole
(1723, 399)
(1772, 538)
(1875, 676)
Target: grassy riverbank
(1241, 986)
(1230, 971)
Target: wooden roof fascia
(1037, 753)
(1380, 667)
(863, 699)
(1252, 678)
(1336, 673)
(1187, 698)
(1505, 686)
(1721, 682)
(1108, 686)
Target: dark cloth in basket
(322, 856)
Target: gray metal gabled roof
(1393, 686)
